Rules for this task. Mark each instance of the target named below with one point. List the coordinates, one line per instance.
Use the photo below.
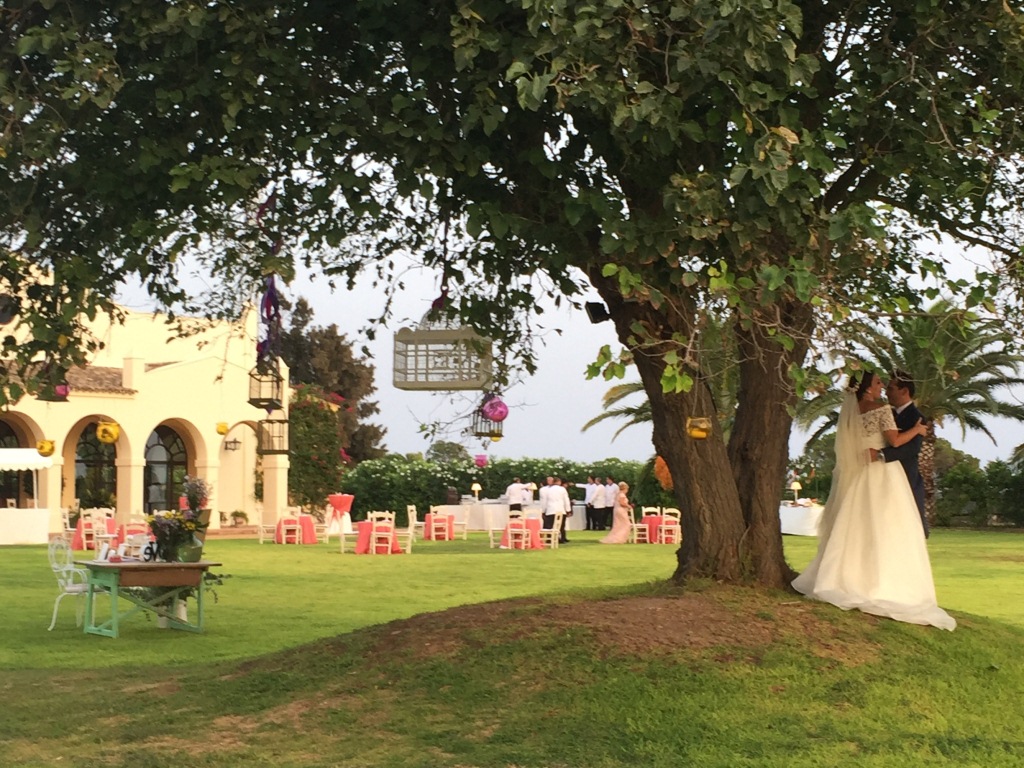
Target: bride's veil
(851, 456)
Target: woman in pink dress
(622, 517)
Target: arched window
(166, 466)
(95, 471)
(9, 480)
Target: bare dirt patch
(740, 621)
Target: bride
(871, 547)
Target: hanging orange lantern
(661, 473)
(45, 447)
(698, 427)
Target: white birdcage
(434, 356)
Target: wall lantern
(108, 432)
(222, 427)
(698, 428)
(232, 445)
(272, 436)
(45, 447)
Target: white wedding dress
(872, 554)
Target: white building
(181, 406)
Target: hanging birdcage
(272, 436)
(436, 356)
(266, 388)
(484, 427)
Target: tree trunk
(759, 442)
(926, 466)
(729, 497)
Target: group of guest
(607, 504)
(600, 498)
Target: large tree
(778, 162)
(324, 358)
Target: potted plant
(238, 517)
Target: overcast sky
(548, 410)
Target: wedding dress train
(872, 553)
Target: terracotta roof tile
(97, 379)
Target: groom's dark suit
(907, 455)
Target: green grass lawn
(310, 658)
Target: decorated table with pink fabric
(339, 518)
(306, 527)
(532, 525)
(428, 527)
(653, 523)
(78, 540)
(363, 540)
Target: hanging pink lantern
(480, 460)
(494, 408)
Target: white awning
(15, 459)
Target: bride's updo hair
(860, 386)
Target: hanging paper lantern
(661, 473)
(222, 427)
(480, 460)
(494, 408)
(45, 447)
(108, 431)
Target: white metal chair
(71, 579)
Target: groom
(900, 394)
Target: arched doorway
(166, 467)
(9, 480)
(95, 471)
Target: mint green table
(172, 580)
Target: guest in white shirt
(598, 501)
(588, 498)
(555, 499)
(611, 493)
(514, 494)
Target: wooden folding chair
(549, 536)
(382, 528)
(671, 530)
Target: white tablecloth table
(24, 526)
(799, 520)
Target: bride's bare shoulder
(869, 407)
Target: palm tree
(718, 360)
(631, 414)
(959, 364)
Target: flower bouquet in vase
(180, 534)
